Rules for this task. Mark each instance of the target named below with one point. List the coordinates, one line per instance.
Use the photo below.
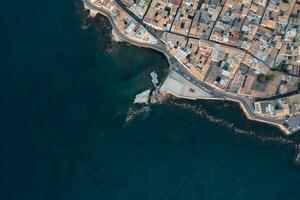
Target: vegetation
(270, 77)
(293, 15)
(263, 78)
(281, 67)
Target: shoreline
(248, 116)
(242, 106)
(93, 13)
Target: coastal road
(180, 68)
(158, 47)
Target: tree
(263, 78)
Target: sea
(66, 89)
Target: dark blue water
(65, 92)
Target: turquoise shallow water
(65, 92)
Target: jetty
(154, 79)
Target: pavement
(183, 88)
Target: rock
(142, 97)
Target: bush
(263, 78)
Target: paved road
(177, 66)
(158, 47)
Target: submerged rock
(134, 112)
